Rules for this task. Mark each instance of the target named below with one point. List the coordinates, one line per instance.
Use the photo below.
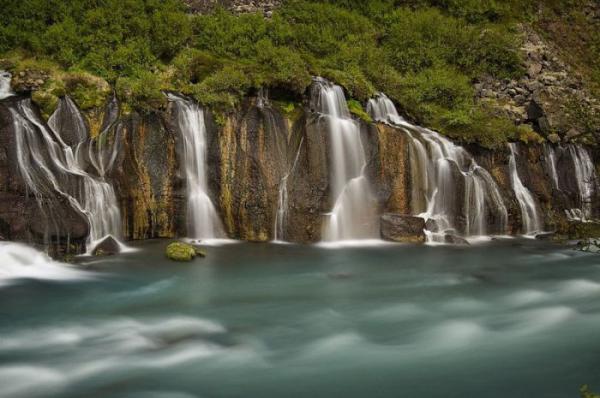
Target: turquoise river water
(510, 318)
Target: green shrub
(357, 110)
(142, 92)
(87, 90)
(223, 89)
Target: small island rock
(180, 251)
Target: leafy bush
(423, 53)
(142, 92)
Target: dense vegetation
(424, 54)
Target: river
(508, 318)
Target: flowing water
(353, 214)
(282, 200)
(5, 90)
(509, 318)
(51, 168)
(531, 221)
(449, 186)
(202, 217)
(587, 180)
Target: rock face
(402, 228)
(148, 178)
(21, 218)
(550, 97)
(252, 154)
(248, 157)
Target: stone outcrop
(402, 228)
(107, 247)
(550, 97)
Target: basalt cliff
(270, 174)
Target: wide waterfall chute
(531, 221)
(353, 213)
(5, 90)
(50, 168)
(448, 186)
(585, 185)
(202, 216)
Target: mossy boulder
(180, 251)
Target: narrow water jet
(281, 216)
(448, 186)
(531, 222)
(353, 214)
(50, 168)
(202, 217)
(550, 160)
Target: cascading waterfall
(437, 164)
(282, 200)
(530, 218)
(353, 215)
(587, 180)
(550, 158)
(585, 175)
(382, 109)
(5, 90)
(48, 166)
(203, 220)
(101, 152)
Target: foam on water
(454, 334)
(525, 297)
(19, 261)
(579, 288)
(212, 242)
(161, 394)
(355, 243)
(541, 319)
(30, 381)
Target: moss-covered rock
(179, 251)
(47, 102)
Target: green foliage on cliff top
(423, 53)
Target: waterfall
(203, 220)
(5, 90)
(439, 169)
(587, 182)
(282, 200)
(101, 153)
(353, 215)
(550, 158)
(382, 109)
(49, 167)
(529, 212)
(586, 178)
